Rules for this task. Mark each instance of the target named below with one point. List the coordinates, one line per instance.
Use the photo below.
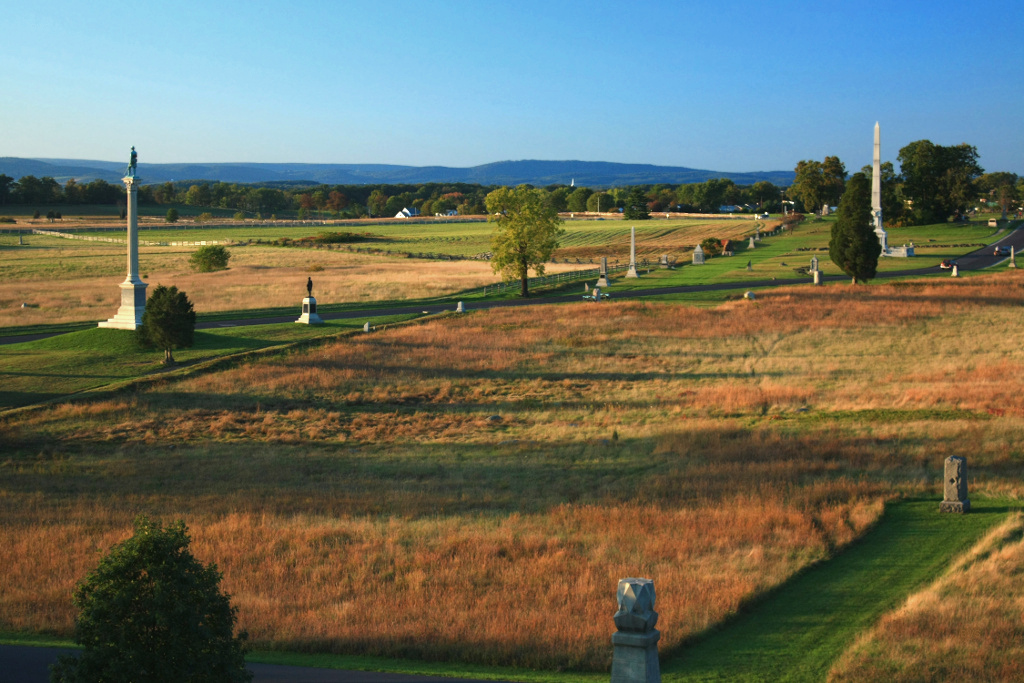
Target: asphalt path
(27, 664)
(975, 260)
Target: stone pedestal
(817, 276)
(751, 244)
(956, 272)
(309, 315)
(133, 289)
(635, 644)
(698, 256)
(635, 657)
(954, 486)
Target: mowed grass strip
(798, 630)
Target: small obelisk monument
(876, 192)
(133, 289)
(632, 254)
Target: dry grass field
(967, 626)
(472, 488)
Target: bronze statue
(132, 164)
(309, 286)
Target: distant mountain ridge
(535, 172)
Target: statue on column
(132, 164)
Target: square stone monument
(954, 486)
(751, 245)
(635, 644)
(133, 289)
(309, 315)
(698, 256)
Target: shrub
(35, 214)
(204, 217)
(172, 216)
(7, 219)
(712, 246)
(152, 612)
(240, 216)
(209, 258)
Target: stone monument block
(954, 486)
(664, 261)
(460, 308)
(698, 256)
(751, 245)
(309, 315)
(635, 644)
(817, 276)
(602, 280)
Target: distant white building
(408, 212)
(449, 212)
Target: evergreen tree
(854, 246)
(636, 206)
(169, 321)
(152, 612)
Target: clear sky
(728, 86)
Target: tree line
(935, 183)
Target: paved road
(26, 664)
(975, 260)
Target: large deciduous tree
(939, 181)
(854, 246)
(168, 323)
(152, 612)
(526, 232)
(818, 183)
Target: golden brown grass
(362, 497)
(967, 626)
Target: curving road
(27, 664)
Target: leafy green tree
(172, 216)
(558, 199)
(152, 612)
(577, 199)
(209, 258)
(833, 173)
(636, 206)
(763, 193)
(168, 323)
(376, 203)
(1000, 187)
(600, 202)
(939, 181)
(6, 182)
(854, 246)
(893, 206)
(526, 232)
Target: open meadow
(470, 489)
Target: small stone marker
(635, 644)
(751, 245)
(366, 327)
(597, 293)
(750, 267)
(459, 308)
(664, 260)
(602, 281)
(698, 256)
(748, 295)
(817, 276)
(1013, 258)
(956, 272)
(954, 487)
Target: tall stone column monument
(133, 289)
(632, 254)
(876, 193)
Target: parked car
(1001, 251)
(947, 264)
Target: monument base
(602, 282)
(635, 657)
(133, 305)
(959, 506)
(309, 315)
(632, 272)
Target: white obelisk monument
(876, 193)
(632, 254)
(133, 289)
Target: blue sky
(729, 86)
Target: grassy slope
(793, 634)
(47, 369)
(797, 632)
